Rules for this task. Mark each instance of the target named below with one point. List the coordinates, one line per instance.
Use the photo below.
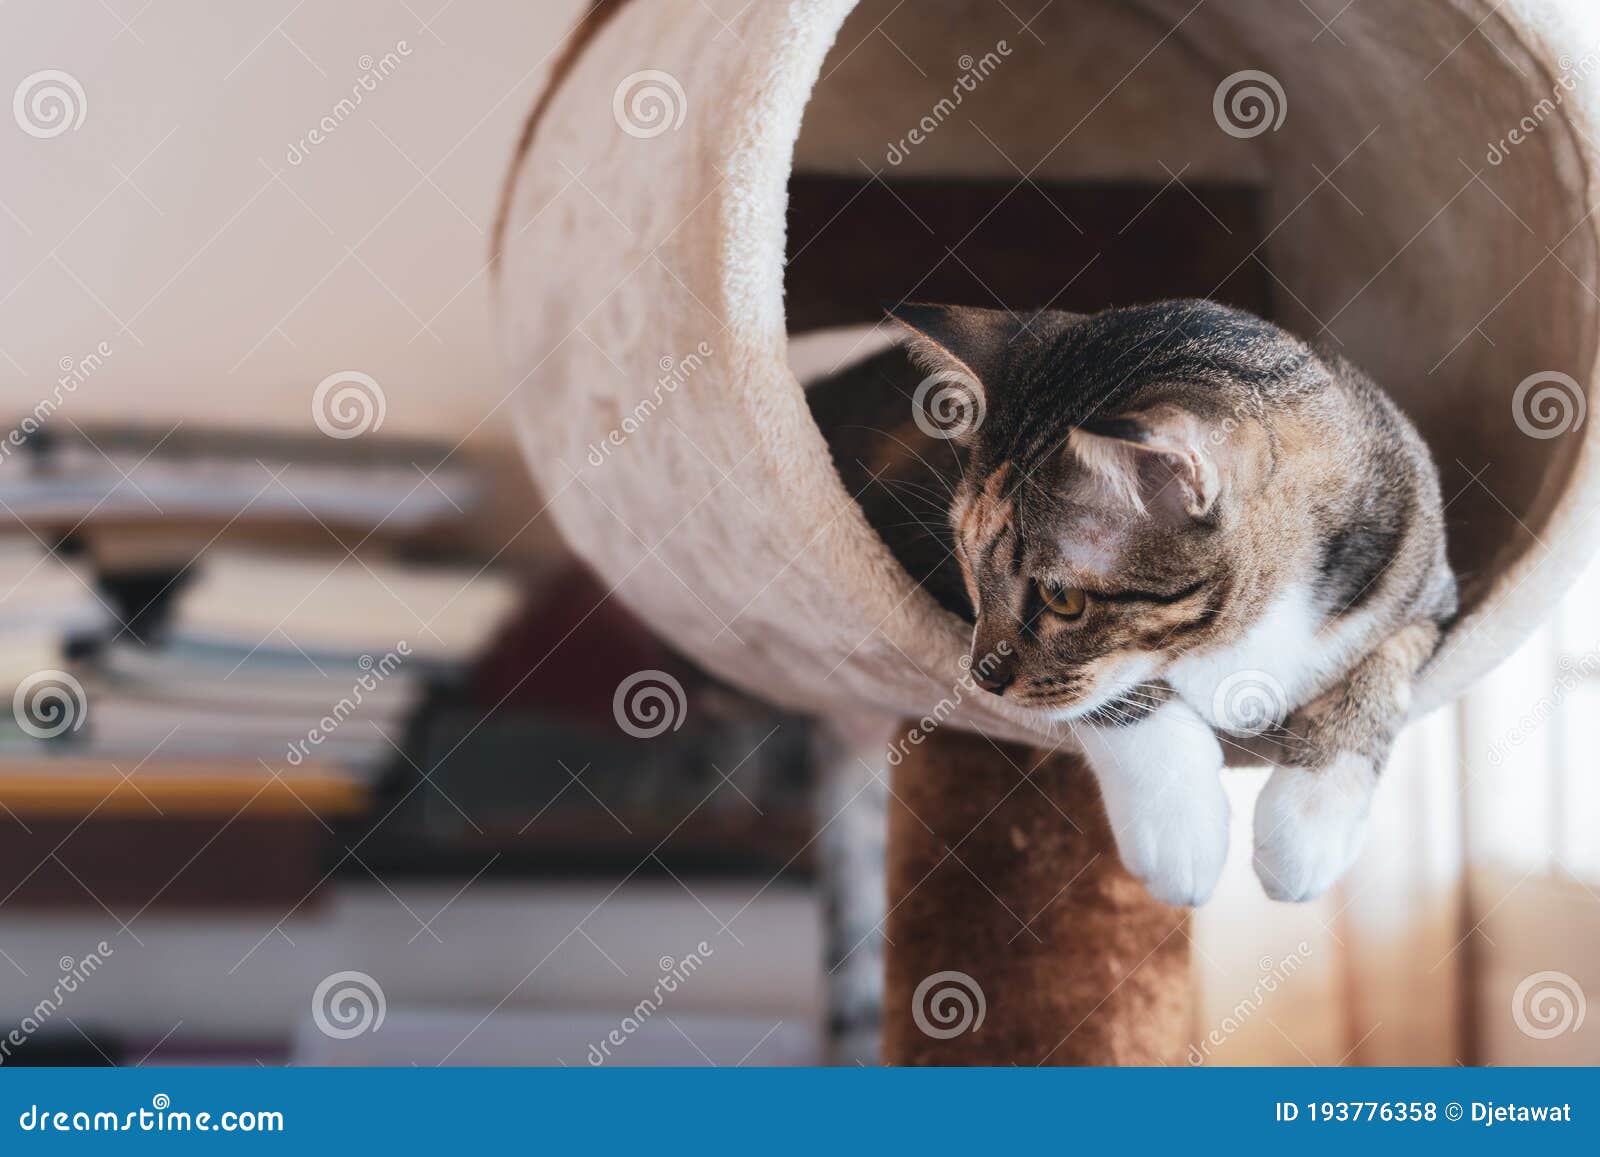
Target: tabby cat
(1173, 526)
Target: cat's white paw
(1177, 846)
(1160, 780)
(1309, 826)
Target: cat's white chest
(1279, 662)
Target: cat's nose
(995, 683)
(992, 659)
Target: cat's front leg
(1311, 817)
(1310, 824)
(1160, 778)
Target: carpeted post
(1015, 935)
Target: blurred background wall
(189, 222)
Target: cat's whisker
(1146, 697)
(919, 494)
(915, 453)
(914, 484)
(1142, 701)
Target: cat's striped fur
(1257, 527)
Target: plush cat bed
(1429, 212)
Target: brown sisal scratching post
(1100, 973)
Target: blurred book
(106, 474)
(130, 724)
(725, 796)
(235, 985)
(539, 759)
(193, 711)
(249, 601)
(190, 675)
(290, 658)
(45, 604)
(40, 591)
(575, 1038)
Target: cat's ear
(959, 339)
(1162, 456)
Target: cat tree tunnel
(1410, 183)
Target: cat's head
(1111, 466)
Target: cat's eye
(1068, 602)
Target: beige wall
(226, 280)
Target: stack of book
(292, 660)
(212, 651)
(73, 476)
(165, 635)
(213, 608)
